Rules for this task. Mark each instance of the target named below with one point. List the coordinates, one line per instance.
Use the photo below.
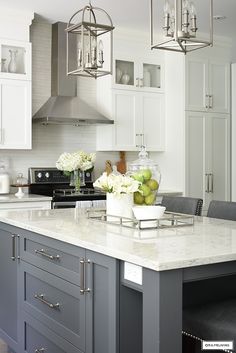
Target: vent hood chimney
(64, 107)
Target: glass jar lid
(20, 180)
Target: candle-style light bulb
(166, 10)
(100, 52)
(193, 17)
(172, 20)
(94, 52)
(79, 53)
(185, 17)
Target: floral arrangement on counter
(117, 184)
(80, 160)
(74, 164)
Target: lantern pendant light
(90, 43)
(179, 27)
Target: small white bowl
(148, 212)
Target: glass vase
(12, 66)
(77, 179)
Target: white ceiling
(124, 13)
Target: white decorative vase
(120, 205)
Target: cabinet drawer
(53, 256)
(39, 339)
(55, 302)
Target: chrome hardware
(142, 140)
(210, 101)
(141, 82)
(39, 175)
(211, 176)
(137, 82)
(207, 101)
(13, 256)
(83, 288)
(40, 350)
(47, 175)
(207, 183)
(43, 253)
(40, 297)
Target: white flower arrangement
(117, 184)
(68, 162)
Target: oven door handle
(63, 204)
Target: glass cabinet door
(15, 59)
(151, 76)
(124, 73)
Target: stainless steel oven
(52, 182)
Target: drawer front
(53, 256)
(55, 302)
(39, 339)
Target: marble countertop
(208, 241)
(25, 198)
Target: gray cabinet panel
(8, 288)
(53, 256)
(67, 317)
(102, 303)
(38, 336)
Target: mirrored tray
(169, 220)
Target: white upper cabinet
(15, 114)
(134, 98)
(15, 59)
(138, 119)
(145, 74)
(207, 85)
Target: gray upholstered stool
(222, 210)
(188, 205)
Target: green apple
(138, 198)
(150, 199)
(147, 174)
(152, 184)
(139, 177)
(145, 190)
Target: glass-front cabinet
(15, 59)
(139, 75)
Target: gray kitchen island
(72, 284)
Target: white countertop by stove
(208, 241)
(25, 198)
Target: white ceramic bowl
(148, 212)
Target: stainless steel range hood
(64, 107)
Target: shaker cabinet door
(15, 114)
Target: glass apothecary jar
(148, 173)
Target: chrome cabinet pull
(13, 255)
(137, 82)
(83, 288)
(41, 298)
(207, 183)
(142, 140)
(207, 101)
(43, 253)
(40, 350)
(211, 190)
(210, 101)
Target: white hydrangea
(69, 162)
(117, 184)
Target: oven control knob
(39, 175)
(47, 175)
